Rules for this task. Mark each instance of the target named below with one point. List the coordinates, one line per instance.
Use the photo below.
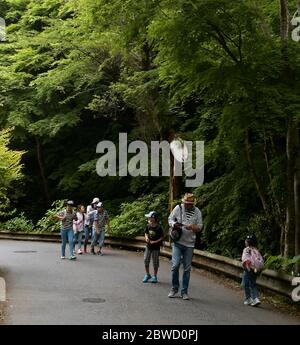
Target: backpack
(257, 260)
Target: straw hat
(189, 198)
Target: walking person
(101, 219)
(67, 217)
(189, 218)
(79, 227)
(88, 229)
(154, 236)
(252, 262)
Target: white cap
(95, 201)
(100, 204)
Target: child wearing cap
(252, 262)
(153, 236)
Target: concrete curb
(269, 279)
(2, 290)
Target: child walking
(252, 262)
(79, 227)
(154, 236)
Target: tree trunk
(257, 181)
(291, 140)
(297, 197)
(42, 170)
(290, 233)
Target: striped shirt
(186, 217)
(100, 218)
(67, 223)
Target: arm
(107, 223)
(199, 224)
(60, 216)
(157, 241)
(173, 216)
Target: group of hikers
(184, 221)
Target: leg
(79, 237)
(71, 241)
(252, 284)
(94, 241)
(64, 236)
(246, 284)
(86, 236)
(187, 264)
(75, 239)
(176, 256)
(101, 238)
(155, 259)
(147, 257)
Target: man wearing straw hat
(190, 217)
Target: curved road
(42, 289)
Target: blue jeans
(78, 238)
(86, 233)
(249, 284)
(67, 235)
(186, 253)
(98, 238)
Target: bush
(49, 223)
(20, 223)
(131, 221)
(282, 264)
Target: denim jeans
(249, 284)
(78, 238)
(67, 235)
(98, 238)
(186, 253)
(86, 234)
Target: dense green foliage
(131, 222)
(73, 73)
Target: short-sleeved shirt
(154, 234)
(67, 223)
(100, 218)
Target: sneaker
(72, 257)
(185, 296)
(248, 301)
(79, 252)
(255, 302)
(62, 257)
(172, 293)
(154, 279)
(100, 253)
(146, 278)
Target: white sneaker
(185, 296)
(172, 293)
(248, 301)
(255, 302)
(62, 257)
(79, 251)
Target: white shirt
(186, 217)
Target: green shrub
(282, 264)
(131, 221)
(19, 223)
(49, 223)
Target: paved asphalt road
(43, 289)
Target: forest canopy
(226, 72)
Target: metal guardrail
(270, 280)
